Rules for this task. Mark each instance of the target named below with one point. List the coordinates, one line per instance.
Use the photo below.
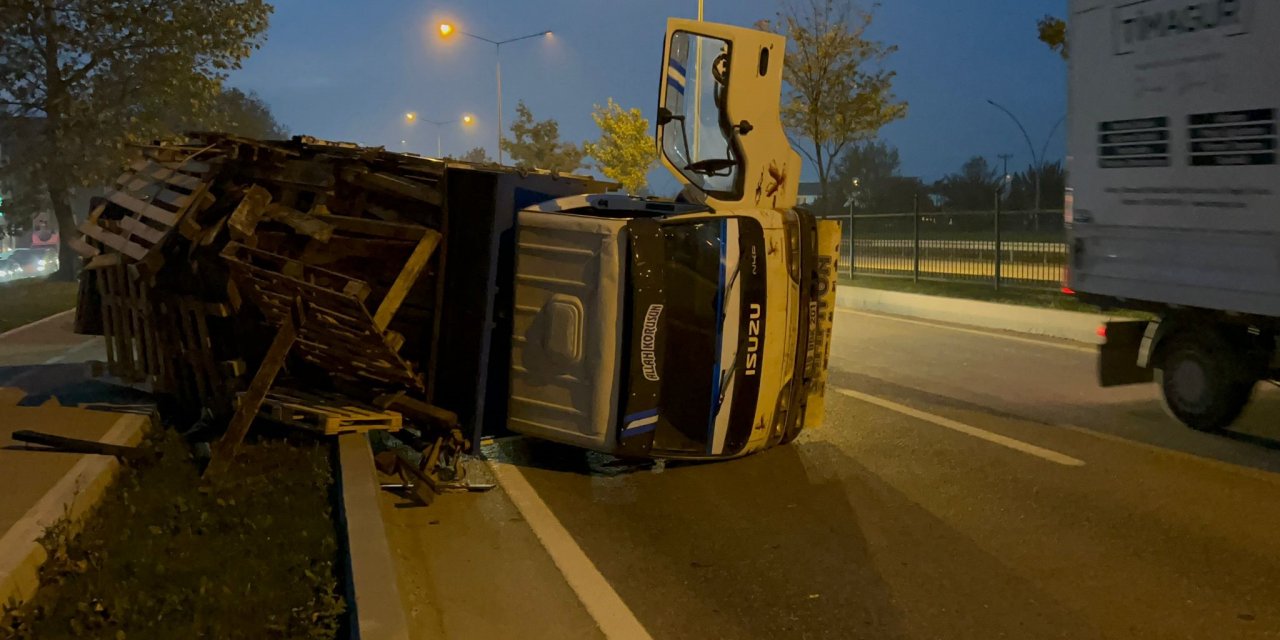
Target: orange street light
(447, 29)
(467, 119)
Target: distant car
(25, 263)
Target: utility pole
(1004, 177)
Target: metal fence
(1011, 248)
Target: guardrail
(1013, 248)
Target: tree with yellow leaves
(625, 150)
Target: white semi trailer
(1174, 199)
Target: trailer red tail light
(1102, 332)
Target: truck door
(719, 127)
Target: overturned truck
(340, 288)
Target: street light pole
(1038, 159)
(413, 117)
(447, 29)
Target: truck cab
(692, 329)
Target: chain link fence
(1010, 248)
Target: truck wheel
(791, 434)
(1201, 380)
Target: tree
(625, 150)
(880, 188)
(245, 114)
(836, 93)
(536, 144)
(972, 189)
(1053, 32)
(81, 79)
(477, 155)
(1053, 184)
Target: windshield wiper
(727, 375)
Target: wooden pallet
(157, 197)
(135, 339)
(328, 415)
(194, 372)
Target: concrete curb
(72, 496)
(1066, 325)
(378, 612)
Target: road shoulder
(469, 566)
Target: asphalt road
(967, 485)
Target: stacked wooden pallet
(223, 268)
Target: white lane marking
(983, 434)
(989, 334)
(1250, 472)
(615, 619)
(32, 325)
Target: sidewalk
(43, 376)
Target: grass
(985, 292)
(168, 555)
(26, 301)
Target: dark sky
(349, 70)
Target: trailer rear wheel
(1204, 380)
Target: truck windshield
(713, 275)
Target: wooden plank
(127, 247)
(167, 173)
(379, 228)
(108, 319)
(241, 255)
(140, 229)
(393, 184)
(316, 175)
(382, 213)
(270, 282)
(81, 247)
(251, 400)
(163, 216)
(244, 220)
(407, 278)
(300, 222)
(417, 409)
(103, 261)
(149, 191)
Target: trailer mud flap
(1118, 356)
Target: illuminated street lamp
(447, 30)
(466, 120)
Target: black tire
(791, 434)
(1204, 380)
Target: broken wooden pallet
(155, 198)
(336, 331)
(330, 415)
